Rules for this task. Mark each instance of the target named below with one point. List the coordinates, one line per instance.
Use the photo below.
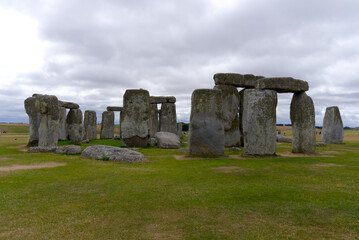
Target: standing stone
(107, 125)
(153, 120)
(168, 118)
(302, 115)
(62, 124)
(230, 100)
(179, 130)
(259, 121)
(74, 126)
(206, 131)
(333, 131)
(240, 115)
(135, 118)
(34, 121)
(90, 125)
(48, 107)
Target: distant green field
(14, 128)
(174, 197)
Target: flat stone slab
(113, 108)
(68, 150)
(167, 140)
(283, 139)
(162, 99)
(41, 149)
(236, 79)
(69, 105)
(103, 152)
(282, 84)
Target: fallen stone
(68, 150)
(113, 108)
(167, 140)
(234, 149)
(168, 118)
(162, 99)
(259, 121)
(206, 133)
(283, 139)
(282, 85)
(333, 131)
(107, 125)
(41, 149)
(102, 152)
(320, 144)
(235, 79)
(69, 105)
(302, 115)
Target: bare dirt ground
(33, 166)
(290, 154)
(21, 148)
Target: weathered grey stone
(153, 119)
(320, 144)
(41, 149)
(168, 118)
(283, 139)
(230, 107)
(282, 85)
(48, 107)
(74, 126)
(234, 149)
(235, 79)
(113, 108)
(34, 121)
(206, 133)
(333, 131)
(107, 125)
(240, 116)
(152, 141)
(167, 140)
(68, 150)
(68, 105)
(302, 116)
(162, 99)
(179, 130)
(135, 122)
(62, 124)
(259, 121)
(102, 152)
(90, 125)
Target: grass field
(235, 197)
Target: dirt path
(33, 166)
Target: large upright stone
(62, 124)
(135, 117)
(153, 119)
(107, 125)
(74, 126)
(168, 118)
(230, 101)
(302, 115)
(206, 133)
(34, 121)
(259, 121)
(240, 115)
(48, 107)
(90, 125)
(333, 131)
(282, 84)
(235, 79)
(179, 130)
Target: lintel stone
(162, 99)
(114, 108)
(235, 79)
(282, 84)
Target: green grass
(165, 198)
(14, 129)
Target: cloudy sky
(90, 52)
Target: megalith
(302, 115)
(34, 121)
(153, 119)
(259, 121)
(107, 125)
(135, 118)
(240, 115)
(74, 126)
(90, 125)
(168, 118)
(62, 124)
(206, 133)
(48, 107)
(333, 131)
(230, 107)
(179, 130)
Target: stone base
(135, 142)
